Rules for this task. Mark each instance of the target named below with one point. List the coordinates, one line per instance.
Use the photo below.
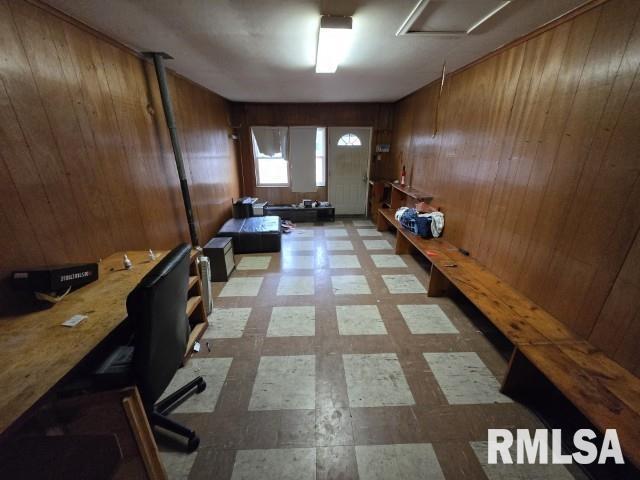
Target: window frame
(257, 158)
(324, 158)
(345, 144)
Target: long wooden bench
(605, 393)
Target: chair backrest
(157, 309)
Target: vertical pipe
(173, 133)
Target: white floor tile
(412, 461)
(337, 223)
(242, 287)
(360, 320)
(339, 245)
(285, 383)
(464, 378)
(227, 322)
(369, 232)
(296, 285)
(376, 380)
(350, 285)
(388, 261)
(403, 284)
(344, 261)
(362, 223)
(301, 245)
(292, 322)
(254, 263)
(335, 232)
(275, 464)
(426, 319)
(377, 245)
(302, 233)
(177, 464)
(213, 370)
(297, 262)
(502, 471)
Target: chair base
(158, 416)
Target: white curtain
(270, 141)
(302, 155)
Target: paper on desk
(75, 320)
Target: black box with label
(55, 279)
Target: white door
(348, 165)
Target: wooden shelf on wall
(401, 195)
(195, 307)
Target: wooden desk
(36, 351)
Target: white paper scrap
(75, 320)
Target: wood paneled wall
(86, 166)
(536, 164)
(376, 115)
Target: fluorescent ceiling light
(333, 42)
(488, 16)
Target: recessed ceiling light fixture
(333, 42)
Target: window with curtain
(302, 158)
(270, 150)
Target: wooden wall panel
(86, 166)
(401, 138)
(619, 321)
(536, 166)
(245, 115)
(212, 160)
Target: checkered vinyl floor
(329, 361)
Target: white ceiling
(264, 50)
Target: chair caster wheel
(193, 443)
(201, 386)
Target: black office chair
(157, 310)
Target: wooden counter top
(36, 351)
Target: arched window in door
(349, 140)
